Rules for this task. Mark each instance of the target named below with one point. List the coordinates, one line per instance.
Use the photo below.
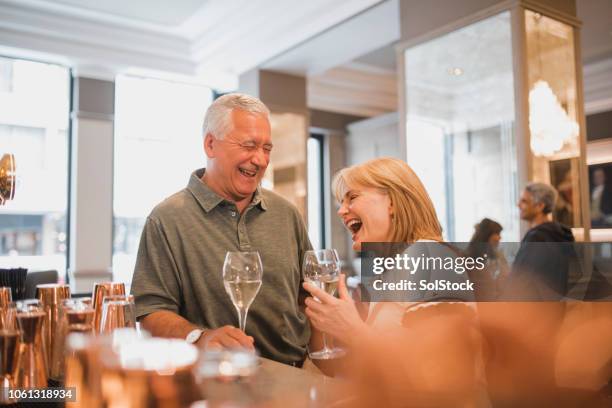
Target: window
(159, 123)
(460, 125)
(316, 200)
(34, 117)
(6, 75)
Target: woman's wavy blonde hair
(414, 216)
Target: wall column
(91, 172)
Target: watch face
(194, 336)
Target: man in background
(542, 263)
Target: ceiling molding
(88, 14)
(258, 38)
(353, 90)
(62, 27)
(223, 38)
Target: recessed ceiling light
(456, 71)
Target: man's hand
(226, 337)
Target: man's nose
(260, 157)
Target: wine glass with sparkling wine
(322, 269)
(242, 272)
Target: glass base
(327, 353)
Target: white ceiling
(369, 30)
(213, 41)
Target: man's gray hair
(543, 193)
(218, 119)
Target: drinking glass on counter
(322, 269)
(118, 311)
(242, 274)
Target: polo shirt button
(233, 213)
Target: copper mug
(9, 342)
(84, 370)
(31, 368)
(76, 315)
(118, 311)
(101, 290)
(6, 317)
(51, 297)
(149, 373)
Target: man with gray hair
(542, 260)
(178, 284)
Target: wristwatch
(194, 336)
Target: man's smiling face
(242, 156)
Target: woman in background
(485, 243)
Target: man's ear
(209, 147)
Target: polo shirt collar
(259, 199)
(208, 199)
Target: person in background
(485, 243)
(178, 284)
(601, 200)
(542, 262)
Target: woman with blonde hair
(378, 185)
(383, 200)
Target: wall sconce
(7, 178)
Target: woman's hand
(337, 317)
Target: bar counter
(277, 385)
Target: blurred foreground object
(127, 369)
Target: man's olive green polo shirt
(181, 255)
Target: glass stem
(242, 316)
(325, 341)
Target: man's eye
(249, 146)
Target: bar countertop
(274, 385)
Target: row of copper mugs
(33, 332)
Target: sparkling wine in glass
(322, 269)
(242, 273)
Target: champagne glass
(322, 269)
(242, 273)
